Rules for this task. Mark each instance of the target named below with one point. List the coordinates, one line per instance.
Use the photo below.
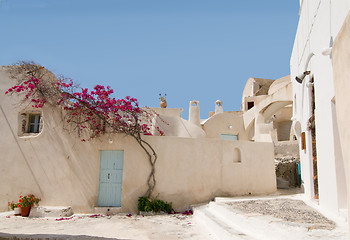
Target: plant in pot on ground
(26, 202)
(14, 206)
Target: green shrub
(148, 205)
(144, 205)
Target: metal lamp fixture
(299, 78)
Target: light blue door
(111, 179)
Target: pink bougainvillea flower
(61, 219)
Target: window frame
(229, 136)
(26, 125)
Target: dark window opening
(250, 105)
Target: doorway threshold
(108, 210)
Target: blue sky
(189, 49)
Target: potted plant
(26, 202)
(163, 103)
(14, 206)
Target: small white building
(40, 156)
(314, 111)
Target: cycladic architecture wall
(172, 124)
(57, 166)
(315, 111)
(194, 114)
(218, 107)
(341, 76)
(225, 124)
(266, 105)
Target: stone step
(107, 210)
(224, 223)
(215, 226)
(253, 228)
(48, 211)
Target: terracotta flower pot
(25, 211)
(163, 104)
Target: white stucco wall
(177, 127)
(341, 73)
(62, 170)
(319, 24)
(175, 112)
(282, 124)
(225, 123)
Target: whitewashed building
(314, 111)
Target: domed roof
(279, 83)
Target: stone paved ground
(287, 209)
(119, 226)
(273, 216)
